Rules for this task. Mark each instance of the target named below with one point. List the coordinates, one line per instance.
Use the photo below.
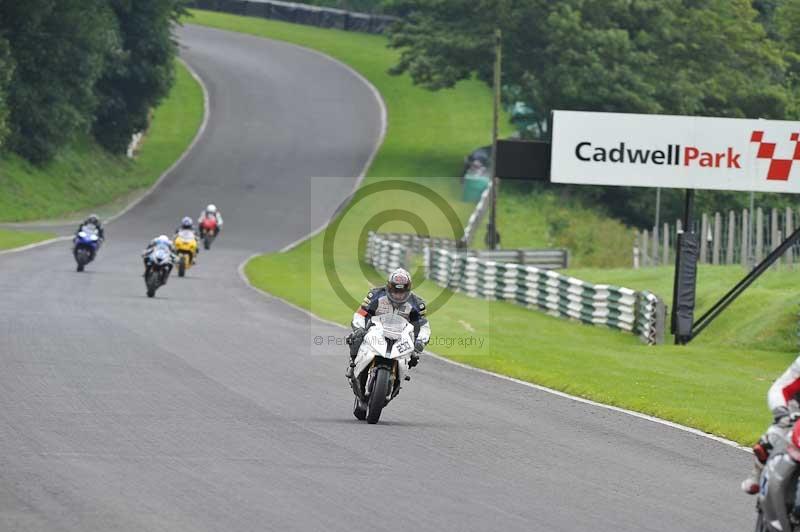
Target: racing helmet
(398, 286)
(186, 223)
(93, 219)
(211, 209)
(163, 240)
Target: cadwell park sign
(675, 152)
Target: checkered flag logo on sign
(779, 169)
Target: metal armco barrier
(416, 243)
(545, 259)
(640, 313)
(323, 17)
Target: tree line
(727, 58)
(70, 67)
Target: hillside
(543, 219)
(84, 177)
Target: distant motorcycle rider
(94, 222)
(782, 399)
(186, 225)
(159, 241)
(396, 297)
(210, 212)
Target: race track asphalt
(205, 409)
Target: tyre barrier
(323, 17)
(638, 312)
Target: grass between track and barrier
(545, 219)
(717, 384)
(83, 176)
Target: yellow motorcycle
(186, 248)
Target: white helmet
(398, 286)
(163, 240)
(211, 209)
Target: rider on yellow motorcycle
(186, 247)
(185, 239)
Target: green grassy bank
(10, 239)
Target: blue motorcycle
(86, 242)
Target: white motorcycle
(159, 265)
(381, 365)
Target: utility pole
(658, 207)
(752, 237)
(498, 51)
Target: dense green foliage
(712, 57)
(67, 66)
(59, 52)
(142, 72)
(732, 58)
(6, 70)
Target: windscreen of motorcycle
(186, 235)
(393, 325)
(160, 255)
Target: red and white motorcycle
(381, 365)
(208, 231)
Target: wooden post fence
(789, 229)
(759, 235)
(743, 238)
(731, 237)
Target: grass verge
(717, 384)
(10, 239)
(84, 176)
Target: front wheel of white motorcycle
(377, 396)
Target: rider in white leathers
(159, 241)
(396, 297)
(782, 401)
(210, 212)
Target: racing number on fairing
(403, 346)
